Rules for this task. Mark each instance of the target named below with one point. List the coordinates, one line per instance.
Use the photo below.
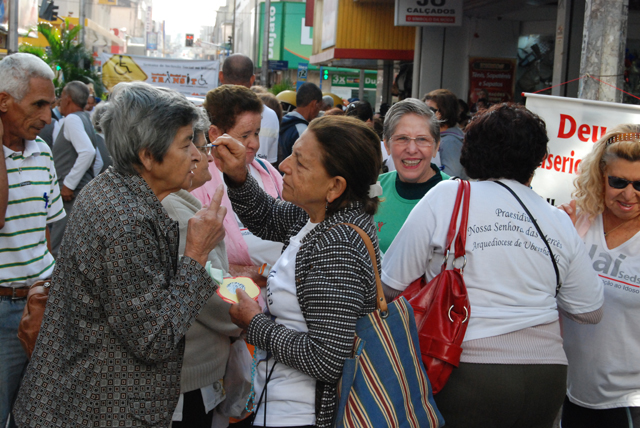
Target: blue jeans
(13, 359)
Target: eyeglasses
(435, 110)
(421, 140)
(621, 183)
(206, 149)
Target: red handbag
(441, 307)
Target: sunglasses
(621, 183)
(435, 110)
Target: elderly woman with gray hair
(111, 345)
(411, 136)
(208, 341)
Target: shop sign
(425, 13)
(495, 76)
(352, 80)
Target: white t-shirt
(261, 251)
(509, 275)
(291, 393)
(74, 132)
(604, 359)
(269, 133)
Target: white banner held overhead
(573, 125)
(438, 13)
(194, 78)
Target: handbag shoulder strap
(533, 220)
(461, 239)
(454, 216)
(381, 302)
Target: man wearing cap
(29, 201)
(237, 69)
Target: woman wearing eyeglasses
(604, 359)
(411, 135)
(444, 104)
(237, 111)
(207, 342)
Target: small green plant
(285, 85)
(64, 55)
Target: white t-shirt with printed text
(509, 275)
(604, 358)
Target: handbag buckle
(453, 264)
(466, 314)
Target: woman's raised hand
(570, 209)
(230, 157)
(205, 229)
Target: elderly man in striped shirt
(29, 201)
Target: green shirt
(398, 199)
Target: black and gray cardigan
(335, 286)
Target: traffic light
(230, 42)
(189, 41)
(48, 10)
(325, 74)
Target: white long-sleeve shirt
(74, 132)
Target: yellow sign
(108, 2)
(121, 68)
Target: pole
(254, 50)
(234, 42)
(265, 44)
(417, 63)
(81, 21)
(12, 39)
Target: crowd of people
(137, 208)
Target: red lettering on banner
(563, 120)
(568, 127)
(557, 162)
(566, 164)
(584, 131)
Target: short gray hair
(202, 124)
(407, 106)
(141, 116)
(78, 92)
(98, 112)
(18, 69)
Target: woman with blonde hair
(603, 377)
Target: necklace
(621, 224)
(606, 233)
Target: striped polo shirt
(34, 201)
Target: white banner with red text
(573, 125)
(189, 77)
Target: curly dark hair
(225, 103)
(351, 150)
(505, 141)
